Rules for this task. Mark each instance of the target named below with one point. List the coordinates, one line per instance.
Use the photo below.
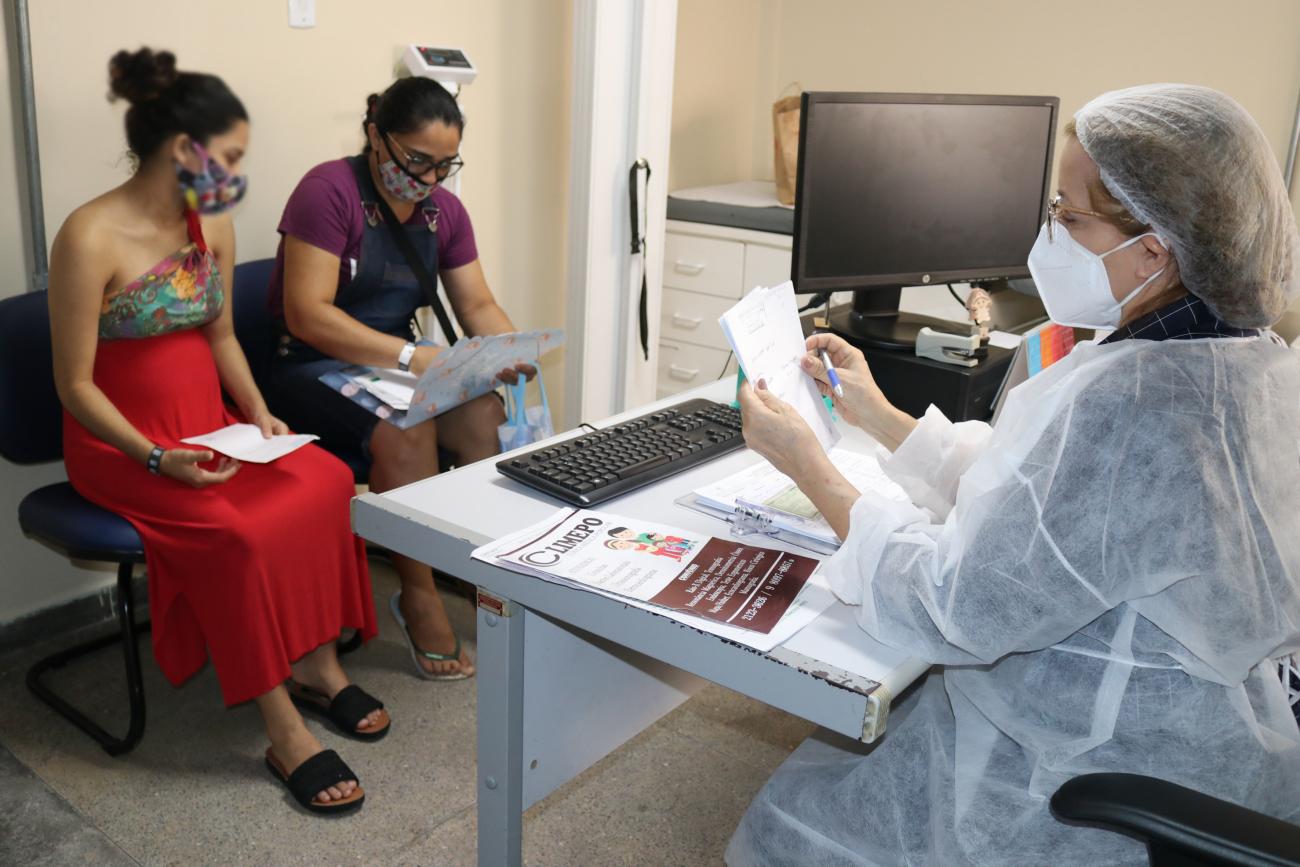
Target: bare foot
(293, 748)
(427, 623)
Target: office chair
(1180, 826)
(256, 334)
(31, 432)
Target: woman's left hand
(269, 424)
(775, 430)
(510, 376)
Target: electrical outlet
(302, 13)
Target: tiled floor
(195, 790)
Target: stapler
(949, 348)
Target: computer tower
(961, 393)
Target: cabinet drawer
(693, 318)
(683, 366)
(765, 266)
(709, 265)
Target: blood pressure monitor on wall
(447, 66)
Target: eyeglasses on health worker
(1107, 573)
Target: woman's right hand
(863, 405)
(863, 400)
(183, 466)
(423, 357)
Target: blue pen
(832, 375)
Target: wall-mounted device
(449, 67)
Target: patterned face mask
(213, 190)
(401, 185)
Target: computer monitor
(900, 189)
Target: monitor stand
(874, 320)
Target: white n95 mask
(1073, 283)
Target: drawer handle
(689, 323)
(682, 374)
(691, 269)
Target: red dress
(253, 572)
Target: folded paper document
(764, 331)
(457, 375)
(244, 442)
(745, 587)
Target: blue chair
(31, 432)
(256, 333)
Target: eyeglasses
(418, 165)
(1054, 211)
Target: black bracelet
(155, 460)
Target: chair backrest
(31, 417)
(253, 327)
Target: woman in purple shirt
(344, 293)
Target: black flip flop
(348, 708)
(316, 774)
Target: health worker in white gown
(1106, 575)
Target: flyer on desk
(722, 580)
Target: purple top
(325, 211)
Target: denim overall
(384, 294)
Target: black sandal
(316, 774)
(348, 708)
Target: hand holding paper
(471, 368)
(245, 442)
(764, 330)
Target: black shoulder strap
(418, 267)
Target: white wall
(305, 91)
(742, 55)
(720, 82)
(735, 58)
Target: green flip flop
(417, 654)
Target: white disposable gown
(1104, 576)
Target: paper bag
(785, 135)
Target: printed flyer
(721, 580)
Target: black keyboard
(597, 466)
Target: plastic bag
(525, 424)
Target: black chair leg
(127, 637)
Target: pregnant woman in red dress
(252, 566)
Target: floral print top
(182, 291)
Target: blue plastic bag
(525, 424)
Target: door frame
(623, 60)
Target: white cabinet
(706, 270)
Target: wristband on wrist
(155, 460)
(404, 357)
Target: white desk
(566, 676)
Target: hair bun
(140, 76)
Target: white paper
(764, 331)
(554, 549)
(743, 194)
(244, 442)
(1004, 339)
(394, 387)
(763, 485)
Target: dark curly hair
(165, 101)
